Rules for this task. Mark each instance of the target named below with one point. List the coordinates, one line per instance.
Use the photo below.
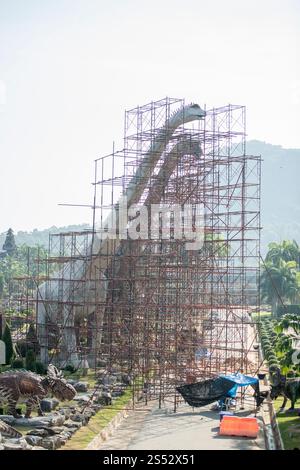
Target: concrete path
(187, 429)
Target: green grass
(84, 435)
(259, 315)
(286, 422)
(89, 378)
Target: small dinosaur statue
(9, 431)
(288, 388)
(21, 384)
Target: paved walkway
(187, 429)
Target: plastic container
(235, 426)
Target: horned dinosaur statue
(9, 431)
(81, 270)
(21, 384)
(288, 388)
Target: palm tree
(287, 329)
(287, 250)
(279, 282)
(288, 322)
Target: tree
(278, 282)
(287, 329)
(32, 339)
(10, 245)
(9, 350)
(30, 360)
(287, 323)
(287, 250)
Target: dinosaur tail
(9, 431)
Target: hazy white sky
(69, 69)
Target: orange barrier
(235, 426)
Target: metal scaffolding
(150, 307)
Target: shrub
(32, 340)
(17, 363)
(40, 368)
(30, 360)
(284, 309)
(70, 368)
(9, 350)
(22, 348)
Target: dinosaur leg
(40, 412)
(293, 400)
(284, 403)
(31, 403)
(12, 400)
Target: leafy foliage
(10, 245)
(30, 363)
(280, 278)
(9, 350)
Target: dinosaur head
(191, 112)
(58, 385)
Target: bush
(9, 350)
(30, 360)
(283, 309)
(17, 363)
(70, 368)
(21, 347)
(32, 340)
(40, 368)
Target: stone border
(106, 432)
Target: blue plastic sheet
(241, 380)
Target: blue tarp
(240, 380)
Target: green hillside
(41, 237)
(280, 208)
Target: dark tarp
(242, 380)
(206, 392)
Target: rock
(117, 393)
(8, 419)
(72, 424)
(38, 433)
(16, 444)
(47, 404)
(81, 386)
(109, 379)
(57, 419)
(96, 407)
(38, 448)
(2, 447)
(71, 381)
(101, 363)
(51, 443)
(65, 411)
(57, 429)
(33, 440)
(66, 433)
(83, 398)
(81, 418)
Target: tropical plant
(7, 339)
(17, 363)
(286, 250)
(279, 282)
(30, 360)
(9, 245)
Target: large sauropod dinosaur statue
(86, 269)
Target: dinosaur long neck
(138, 182)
